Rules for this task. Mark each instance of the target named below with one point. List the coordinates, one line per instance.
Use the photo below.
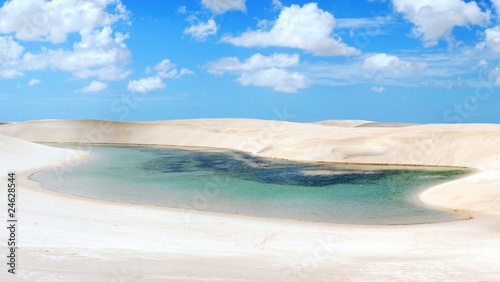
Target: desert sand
(69, 238)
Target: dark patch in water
(246, 167)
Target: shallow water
(237, 183)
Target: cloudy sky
(402, 60)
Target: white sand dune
(342, 123)
(70, 238)
(464, 145)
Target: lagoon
(234, 182)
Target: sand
(69, 238)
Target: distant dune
(362, 123)
(464, 145)
(386, 124)
(342, 123)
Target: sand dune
(465, 145)
(386, 124)
(71, 238)
(342, 123)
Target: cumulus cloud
(385, 62)
(10, 53)
(9, 73)
(34, 82)
(147, 84)
(378, 89)
(256, 61)
(492, 39)
(94, 86)
(202, 30)
(264, 71)
(100, 53)
(277, 5)
(307, 27)
(278, 79)
(496, 4)
(166, 69)
(9, 49)
(163, 70)
(222, 6)
(436, 19)
(54, 20)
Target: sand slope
(22, 155)
(464, 145)
(65, 238)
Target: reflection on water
(238, 183)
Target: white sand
(65, 238)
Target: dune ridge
(465, 145)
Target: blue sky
(396, 61)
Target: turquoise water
(238, 183)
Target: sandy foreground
(68, 238)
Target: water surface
(238, 183)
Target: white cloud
(264, 71)
(494, 76)
(454, 69)
(54, 20)
(352, 23)
(163, 67)
(257, 61)
(9, 49)
(202, 30)
(378, 89)
(100, 53)
(147, 84)
(482, 62)
(436, 19)
(10, 52)
(278, 5)
(492, 39)
(9, 73)
(496, 4)
(94, 86)
(222, 6)
(306, 27)
(166, 69)
(181, 10)
(278, 79)
(33, 82)
(185, 71)
(385, 62)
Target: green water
(237, 183)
